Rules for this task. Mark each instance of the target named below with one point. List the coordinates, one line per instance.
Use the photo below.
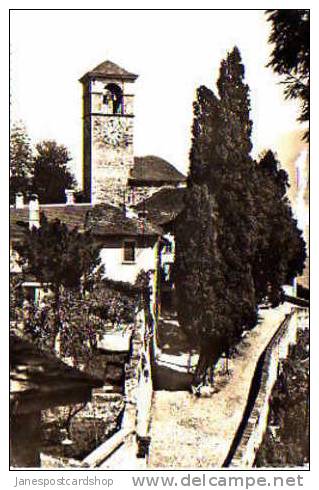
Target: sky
(172, 51)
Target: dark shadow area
(171, 339)
(169, 379)
(170, 370)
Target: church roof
(102, 219)
(108, 69)
(155, 169)
(163, 206)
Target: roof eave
(131, 77)
(127, 234)
(136, 180)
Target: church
(111, 171)
(128, 200)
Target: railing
(254, 422)
(102, 452)
(304, 303)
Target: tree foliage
(236, 240)
(280, 252)
(82, 319)
(235, 101)
(197, 266)
(51, 173)
(286, 441)
(21, 161)
(16, 299)
(79, 304)
(46, 173)
(59, 256)
(290, 57)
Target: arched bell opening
(113, 99)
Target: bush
(286, 441)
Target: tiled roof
(72, 216)
(102, 219)
(109, 220)
(108, 69)
(155, 169)
(163, 206)
(38, 375)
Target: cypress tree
(220, 166)
(198, 278)
(234, 95)
(281, 251)
(235, 192)
(236, 240)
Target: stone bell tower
(107, 132)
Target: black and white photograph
(159, 242)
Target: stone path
(190, 432)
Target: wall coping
(254, 421)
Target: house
(114, 182)
(38, 381)
(128, 245)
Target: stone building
(115, 182)
(111, 172)
(150, 175)
(128, 244)
(107, 132)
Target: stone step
(107, 397)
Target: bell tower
(107, 132)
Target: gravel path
(190, 432)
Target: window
(30, 294)
(129, 251)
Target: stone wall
(130, 443)
(254, 424)
(97, 420)
(117, 419)
(138, 382)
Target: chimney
(19, 200)
(34, 212)
(69, 197)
